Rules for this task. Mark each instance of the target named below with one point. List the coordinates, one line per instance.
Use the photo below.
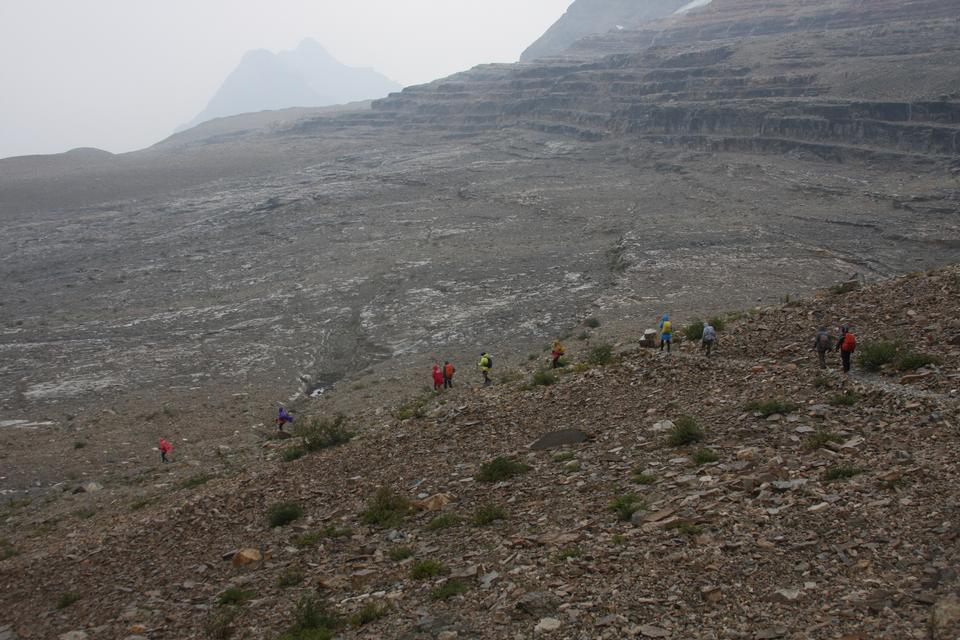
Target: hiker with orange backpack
(846, 345)
(557, 353)
(448, 371)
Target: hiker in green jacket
(485, 364)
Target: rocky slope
(827, 519)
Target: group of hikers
(824, 342)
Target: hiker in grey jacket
(822, 343)
(709, 338)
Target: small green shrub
(79, 444)
(140, 504)
(283, 513)
(843, 399)
(289, 578)
(308, 634)
(583, 335)
(873, 355)
(821, 437)
(309, 539)
(449, 589)
(424, 569)
(385, 509)
(591, 322)
(335, 531)
(639, 477)
(312, 620)
(705, 456)
(501, 468)
(323, 434)
(400, 553)
(544, 378)
(821, 382)
(619, 539)
(911, 361)
(85, 514)
(718, 323)
(371, 612)
(219, 624)
(568, 552)
(292, 453)
(234, 596)
(413, 408)
(600, 355)
(572, 467)
(7, 550)
(445, 521)
(563, 456)
(488, 513)
(67, 599)
(685, 431)
(842, 472)
(196, 481)
(767, 408)
(694, 330)
(685, 528)
(626, 505)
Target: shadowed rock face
(493, 208)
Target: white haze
(122, 74)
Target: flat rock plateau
(743, 155)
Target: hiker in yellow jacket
(666, 333)
(558, 352)
(485, 364)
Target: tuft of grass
(694, 330)
(685, 431)
(600, 355)
(140, 504)
(705, 456)
(449, 589)
(843, 399)
(821, 382)
(685, 528)
(444, 521)
(767, 408)
(842, 472)
(289, 578)
(873, 355)
(424, 569)
(85, 514)
(572, 467)
(312, 620)
(400, 553)
(334, 531)
(79, 444)
(563, 456)
(308, 539)
(67, 599)
(718, 323)
(639, 477)
(283, 513)
(385, 509)
(619, 539)
(219, 625)
(591, 322)
(234, 596)
(568, 552)
(292, 453)
(371, 612)
(626, 505)
(821, 437)
(544, 378)
(911, 361)
(412, 408)
(7, 550)
(583, 335)
(196, 481)
(323, 433)
(488, 513)
(501, 468)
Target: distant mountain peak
(307, 76)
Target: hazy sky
(122, 74)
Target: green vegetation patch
(873, 355)
(626, 505)
(600, 355)
(67, 599)
(488, 514)
(235, 596)
(323, 433)
(444, 521)
(686, 431)
(385, 509)
(371, 612)
(283, 513)
(449, 589)
(843, 399)
(821, 437)
(841, 472)
(500, 469)
(769, 407)
(544, 378)
(423, 569)
(705, 456)
(292, 453)
(400, 553)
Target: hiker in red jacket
(448, 371)
(437, 377)
(165, 448)
(846, 345)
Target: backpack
(666, 327)
(489, 361)
(849, 343)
